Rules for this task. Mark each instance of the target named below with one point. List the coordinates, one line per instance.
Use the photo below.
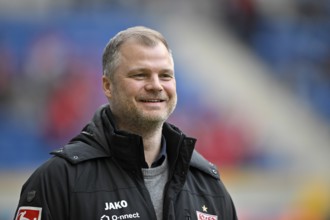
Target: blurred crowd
(292, 37)
(46, 93)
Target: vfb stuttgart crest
(204, 216)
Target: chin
(157, 118)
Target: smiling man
(128, 162)
(142, 91)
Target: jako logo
(116, 205)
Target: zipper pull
(187, 215)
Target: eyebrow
(142, 69)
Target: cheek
(132, 89)
(170, 89)
(128, 91)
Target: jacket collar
(100, 138)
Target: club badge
(204, 216)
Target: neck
(152, 146)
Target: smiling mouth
(152, 100)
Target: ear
(106, 84)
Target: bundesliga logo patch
(28, 213)
(203, 216)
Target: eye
(166, 76)
(139, 76)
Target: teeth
(155, 100)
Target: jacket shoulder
(199, 162)
(48, 189)
(77, 152)
(52, 169)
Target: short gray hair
(143, 35)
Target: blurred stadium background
(253, 81)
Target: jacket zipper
(187, 217)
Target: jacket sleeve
(230, 207)
(46, 194)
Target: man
(128, 163)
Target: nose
(154, 84)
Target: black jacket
(97, 176)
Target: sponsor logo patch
(28, 213)
(204, 216)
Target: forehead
(137, 44)
(135, 51)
